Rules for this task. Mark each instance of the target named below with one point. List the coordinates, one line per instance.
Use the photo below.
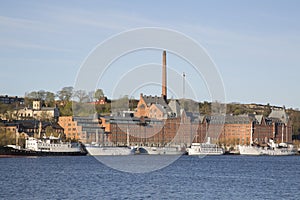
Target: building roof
(30, 126)
(279, 114)
(194, 116)
(131, 120)
(160, 108)
(230, 119)
(175, 107)
(259, 118)
(149, 100)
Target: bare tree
(81, 95)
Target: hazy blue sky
(255, 44)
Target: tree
(32, 95)
(205, 108)
(65, 94)
(267, 110)
(81, 95)
(120, 104)
(98, 94)
(6, 108)
(104, 109)
(41, 95)
(50, 99)
(66, 110)
(50, 131)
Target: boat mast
(286, 133)
(97, 138)
(17, 136)
(127, 137)
(282, 128)
(40, 129)
(251, 133)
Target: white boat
(168, 150)
(281, 149)
(98, 150)
(205, 149)
(250, 150)
(273, 149)
(51, 146)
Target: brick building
(244, 129)
(157, 122)
(84, 129)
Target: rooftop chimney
(164, 76)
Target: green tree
(49, 99)
(104, 109)
(205, 108)
(51, 131)
(65, 94)
(120, 104)
(98, 94)
(66, 109)
(267, 110)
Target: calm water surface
(212, 177)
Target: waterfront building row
(226, 130)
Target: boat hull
(109, 151)
(205, 154)
(160, 150)
(9, 151)
(279, 152)
(250, 151)
(257, 151)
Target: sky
(255, 46)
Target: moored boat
(281, 149)
(52, 146)
(250, 150)
(207, 148)
(98, 150)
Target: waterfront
(189, 177)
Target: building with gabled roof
(157, 111)
(279, 114)
(175, 107)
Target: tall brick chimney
(164, 76)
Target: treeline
(63, 98)
(64, 95)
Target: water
(212, 177)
